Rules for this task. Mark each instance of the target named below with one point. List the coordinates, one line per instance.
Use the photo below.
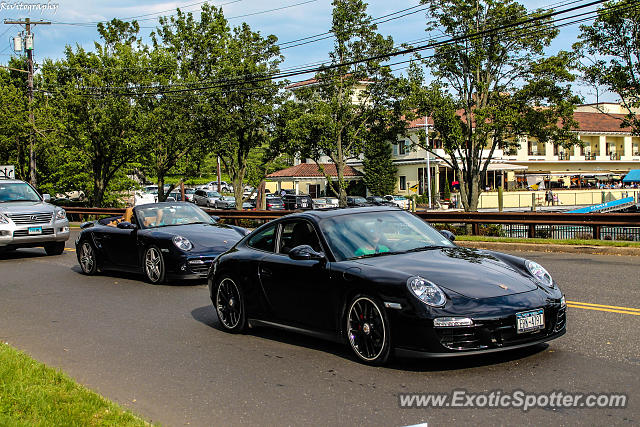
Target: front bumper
(493, 329)
(19, 236)
(192, 266)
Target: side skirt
(310, 332)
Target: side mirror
(46, 197)
(305, 252)
(449, 235)
(215, 218)
(124, 225)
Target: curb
(536, 247)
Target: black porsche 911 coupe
(381, 279)
(161, 240)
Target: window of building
(403, 147)
(394, 146)
(403, 182)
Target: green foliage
(612, 39)
(379, 170)
(344, 106)
(492, 88)
(447, 190)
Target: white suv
(27, 220)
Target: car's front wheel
(154, 267)
(368, 331)
(229, 305)
(88, 258)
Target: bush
(494, 230)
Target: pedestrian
(282, 193)
(551, 196)
(547, 197)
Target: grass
(32, 394)
(577, 242)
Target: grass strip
(32, 394)
(575, 242)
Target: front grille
(31, 218)
(25, 233)
(497, 333)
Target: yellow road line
(603, 309)
(69, 249)
(615, 307)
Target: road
(157, 350)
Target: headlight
(3, 219)
(563, 302)
(182, 243)
(61, 214)
(540, 274)
(426, 291)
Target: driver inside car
(372, 240)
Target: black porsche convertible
(381, 279)
(161, 240)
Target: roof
(330, 212)
(632, 176)
(587, 122)
(310, 170)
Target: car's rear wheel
(368, 331)
(154, 265)
(54, 248)
(229, 304)
(88, 258)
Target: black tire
(228, 301)
(87, 258)
(367, 330)
(54, 248)
(153, 265)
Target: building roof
(587, 122)
(312, 170)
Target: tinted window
(264, 240)
(298, 233)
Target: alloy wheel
(366, 329)
(153, 265)
(229, 304)
(87, 258)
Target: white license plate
(35, 230)
(528, 321)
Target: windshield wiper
(425, 248)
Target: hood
(25, 207)
(468, 272)
(204, 237)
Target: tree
(235, 116)
(99, 131)
(349, 98)
(494, 86)
(379, 170)
(14, 128)
(614, 38)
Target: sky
(74, 22)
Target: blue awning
(632, 176)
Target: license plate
(303, 204)
(35, 230)
(528, 321)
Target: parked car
(325, 202)
(400, 201)
(160, 240)
(382, 280)
(27, 220)
(297, 201)
(274, 203)
(225, 202)
(379, 201)
(225, 187)
(206, 198)
(357, 201)
(188, 194)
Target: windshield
(213, 194)
(167, 215)
(17, 192)
(359, 235)
(359, 200)
(228, 198)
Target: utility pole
(428, 170)
(29, 48)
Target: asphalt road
(158, 351)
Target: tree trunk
(161, 196)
